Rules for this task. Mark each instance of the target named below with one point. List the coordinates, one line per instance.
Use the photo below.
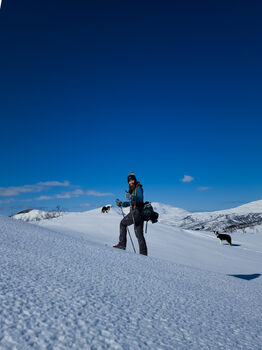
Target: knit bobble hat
(131, 176)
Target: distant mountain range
(229, 220)
(241, 217)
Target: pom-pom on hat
(131, 176)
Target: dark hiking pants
(128, 220)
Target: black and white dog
(223, 237)
(105, 209)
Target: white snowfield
(193, 248)
(63, 286)
(245, 217)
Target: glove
(118, 203)
(128, 195)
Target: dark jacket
(137, 199)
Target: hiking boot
(119, 246)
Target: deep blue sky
(90, 90)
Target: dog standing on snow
(223, 237)
(105, 209)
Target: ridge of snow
(36, 215)
(241, 217)
(251, 207)
(169, 212)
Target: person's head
(131, 179)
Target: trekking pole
(128, 232)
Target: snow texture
(62, 288)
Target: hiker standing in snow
(135, 216)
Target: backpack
(149, 214)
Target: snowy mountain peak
(241, 217)
(32, 215)
(164, 209)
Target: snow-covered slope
(239, 218)
(247, 215)
(193, 248)
(36, 215)
(169, 214)
(61, 290)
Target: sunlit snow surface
(63, 286)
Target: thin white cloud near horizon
(187, 178)
(64, 195)
(74, 194)
(98, 194)
(203, 188)
(43, 198)
(70, 194)
(54, 183)
(38, 187)
(43, 186)
(5, 201)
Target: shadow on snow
(247, 277)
